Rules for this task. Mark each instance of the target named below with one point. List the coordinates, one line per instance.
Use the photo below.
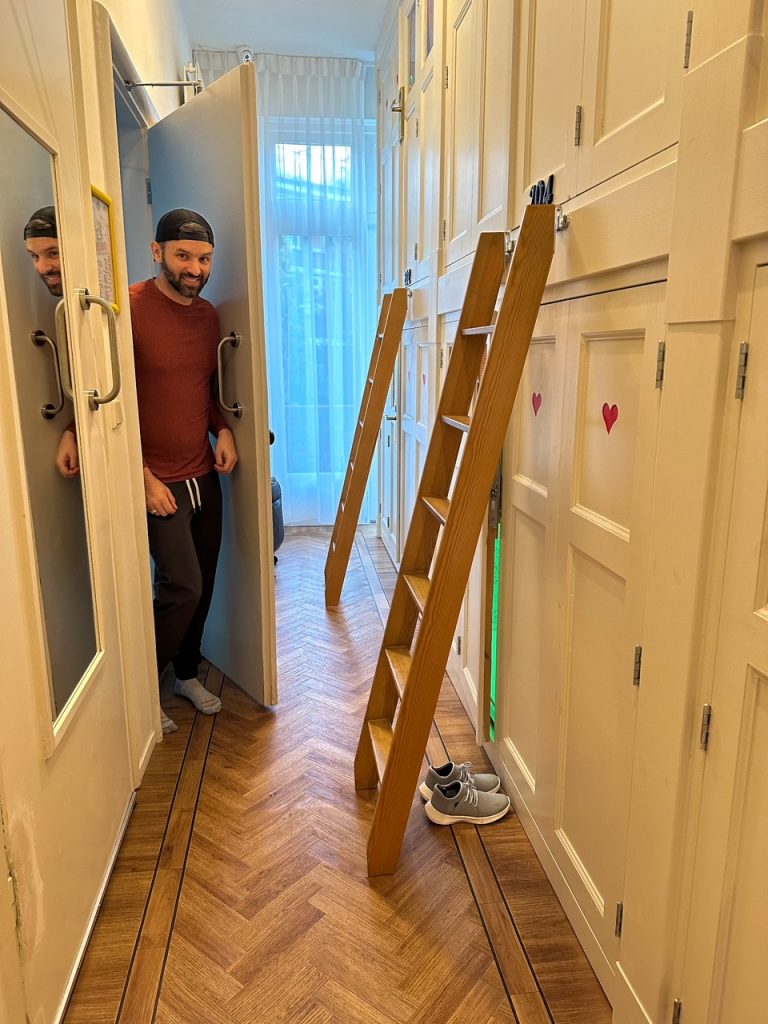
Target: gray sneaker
(450, 772)
(460, 801)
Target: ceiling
(322, 28)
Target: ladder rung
(380, 732)
(419, 588)
(399, 659)
(489, 329)
(439, 507)
(460, 422)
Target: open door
(204, 156)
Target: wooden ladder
(383, 356)
(433, 578)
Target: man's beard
(53, 283)
(189, 288)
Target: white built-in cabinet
(598, 90)
(633, 578)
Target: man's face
(186, 265)
(47, 261)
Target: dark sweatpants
(185, 548)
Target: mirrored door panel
(33, 275)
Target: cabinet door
(460, 154)
(389, 168)
(494, 65)
(633, 73)
(389, 469)
(65, 768)
(548, 87)
(610, 429)
(724, 976)
(527, 691)
(412, 196)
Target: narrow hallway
(257, 906)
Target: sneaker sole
(426, 792)
(438, 818)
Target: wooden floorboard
(273, 918)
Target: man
(176, 336)
(42, 239)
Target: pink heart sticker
(536, 403)
(610, 415)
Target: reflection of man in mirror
(42, 238)
(175, 339)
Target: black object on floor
(278, 527)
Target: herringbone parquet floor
(269, 915)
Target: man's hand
(225, 454)
(67, 458)
(160, 501)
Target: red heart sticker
(610, 415)
(536, 403)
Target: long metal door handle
(47, 410)
(86, 301)
(61, 335)
(390, 417)
(233, 339)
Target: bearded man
(176, 336)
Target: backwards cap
(177, 225)
(42, 224)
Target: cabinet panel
(724, 976)
(461, 128)
(549, 84)
(496, 38)
(389, 171)
(412, 195)
(633, 72)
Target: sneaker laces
(466, 774)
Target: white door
(65, 770)
(390, 150)
(204, 156)
(724, 978)
(389, 471)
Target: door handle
(61, 334)
(398, 107)
(48, 411)
(388, 417)
(233, 339)
(86, 301)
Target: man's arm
(67, 457)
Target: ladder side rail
(498, 390)
(374, 399)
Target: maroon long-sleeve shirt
(175, 351)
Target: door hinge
(706, 722)
(379, 190)
(379, 508)
(741, 376)
(619, 919)
(509, 246)
(445, 229)
(416, 253)
(577, 126)
(494, 505)
(442, 359)
(380, 281)
(638, 666)
(688, 40)
(389, 445)
(445, 77)
(660, 361)
(677, 1011)
(149, 191)
(417, 127)
(458, 645)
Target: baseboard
(604, 970)
(59, 1016)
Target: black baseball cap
(177, 225)
(42, 224)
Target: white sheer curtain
(320, 303)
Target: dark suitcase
(278, 527)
